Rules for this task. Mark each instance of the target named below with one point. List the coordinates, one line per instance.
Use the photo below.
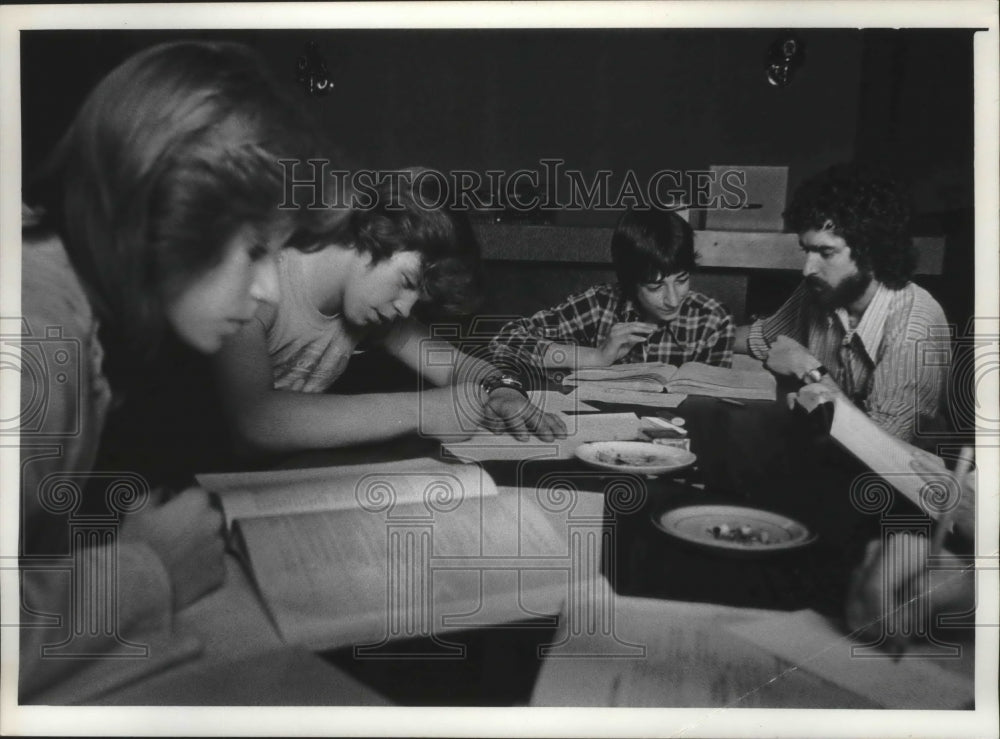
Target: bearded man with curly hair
(856, 322)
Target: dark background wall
(639, 100)
(617, 99)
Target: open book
(369, 554)
(691, 378)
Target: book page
(879, 450)
(639, 376)
(597, 391)
(581, 428)
(697, 378)
(814, 644)
(335, 578)
(273, 492)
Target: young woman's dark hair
(648, 245)
(407, 214)
(170, 154)
(865, 207)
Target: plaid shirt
(894, 364)
(702, 331)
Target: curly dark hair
(868, 209)
(405, 215)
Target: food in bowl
(627, 459)
(740, 534)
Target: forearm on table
(413, 346)
(472, 369)
(283, 421)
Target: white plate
(695, 524)
(634, 456)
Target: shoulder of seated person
(708, 304)
(52, 295)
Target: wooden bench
(533, 266)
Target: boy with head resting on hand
(359, 289)
(651, 315)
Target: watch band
(495, 382)
(816, 374)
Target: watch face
(813, 375)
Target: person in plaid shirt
(651, 315)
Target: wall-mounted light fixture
(312, 73)
(784, 56)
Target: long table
(646, 580)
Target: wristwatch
(495, 382)
(816, 374)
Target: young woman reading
(155, 215)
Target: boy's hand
(507, 410)
(621, 339)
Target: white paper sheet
(657, 653)
(552, 401)
(879, 450)
(814, 644)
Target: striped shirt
(702, 331)
(894, 364)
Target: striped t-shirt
(894, 364)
